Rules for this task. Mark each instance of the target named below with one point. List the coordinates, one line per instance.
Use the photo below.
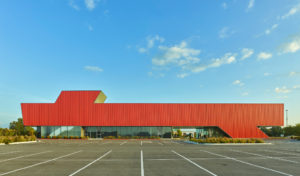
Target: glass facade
(132, 131)
(201, 132)
(100, 132)
(59, 131)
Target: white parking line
(164, 159)
(194, 163)
(142, 164)
(27, 167)
(23, 156)
(90, 163)
(281, 152)
(149, 142)
(9, 152)
(175, 142)
(250, 164)
(160, 143)
(123, 142)
(276, 158)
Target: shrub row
(277, 137)
(63, 137)
(227, 140)
(10, 139)
(132, 137)
(295, 137)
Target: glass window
(64, 131)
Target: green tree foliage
(274, 131)
(7, 132)
(292, 130)
(20, 129)
(179, 133)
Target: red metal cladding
(77, 108)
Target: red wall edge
(77, 108)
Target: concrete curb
(190, 142)
(27, 142)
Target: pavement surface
(148, 158)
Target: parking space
(147, 157)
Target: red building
(78, 113)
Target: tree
(179, 133)
(267, 131)
(289, 131)
(18, 126)
(276, 131)
(292, 130)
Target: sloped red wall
(77, 108)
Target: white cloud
(268, 31)
(264, 56)
(246, 53)
(282, 97)
(291, 12)
(93, 68)
(250, 4)
(292, 73)
(182, 75)
(142, 50)
(228, 58)
(224, 5)
(245, 93)
(267, 74)
(238, 82)
(283, 89)
(73, 5)
(225, 32)
(292, 46)
(179, 55)
(151, 40)
(161, 75)
(296, 87)
(90, 4)
(90, 27)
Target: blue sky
(150, 51)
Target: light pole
(286, 116)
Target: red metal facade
(77, 108)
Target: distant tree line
(17, 128)
(277, 131)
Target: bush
(7, 141)
(59, 137)
(20, 139)
(227, 140)
(48, 137)
(65, 137)
(295, 137)
(32, 138)
(109, 137)
(53, 137)
(259, 141)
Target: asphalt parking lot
(147, 158)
